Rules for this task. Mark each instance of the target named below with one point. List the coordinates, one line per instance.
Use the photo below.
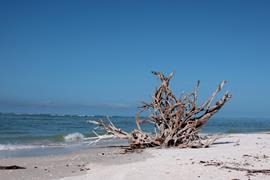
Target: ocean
(44, 134)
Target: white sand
(250, 151)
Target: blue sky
(95, 57)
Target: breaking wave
(74, 137)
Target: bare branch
(177, 120)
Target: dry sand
(248, 151)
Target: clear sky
(95, 57)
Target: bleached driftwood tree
(176, 120)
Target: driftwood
(11, 167)
(177, 120)
(249, 171)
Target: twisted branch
(177, 120)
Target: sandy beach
(234, 156)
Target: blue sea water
(39, 134)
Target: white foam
(13, 147)
(74, 137)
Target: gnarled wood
(177, 120)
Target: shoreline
(39, 150)
(246, 150)
(59, 166)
